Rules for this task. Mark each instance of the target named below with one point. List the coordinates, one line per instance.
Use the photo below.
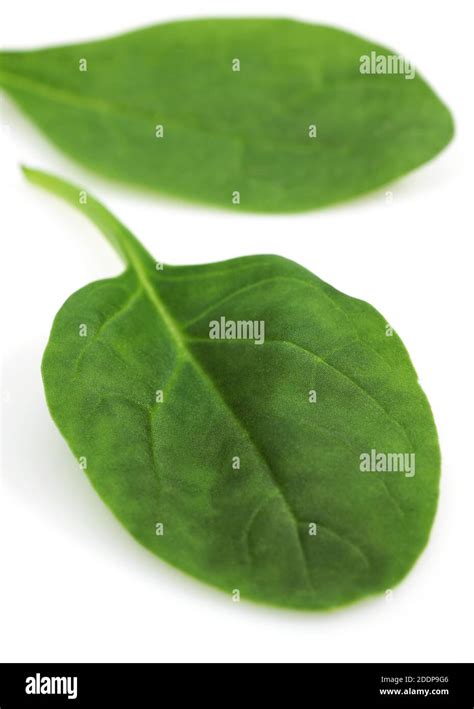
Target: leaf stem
(123, 241)
(135, 256)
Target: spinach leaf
(262, 115)
(254, 457)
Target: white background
(74, 586)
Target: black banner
(143, 685)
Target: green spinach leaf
(245, 421)
(262, 115)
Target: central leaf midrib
(14, 80)
(93, 104)
(184, 351)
